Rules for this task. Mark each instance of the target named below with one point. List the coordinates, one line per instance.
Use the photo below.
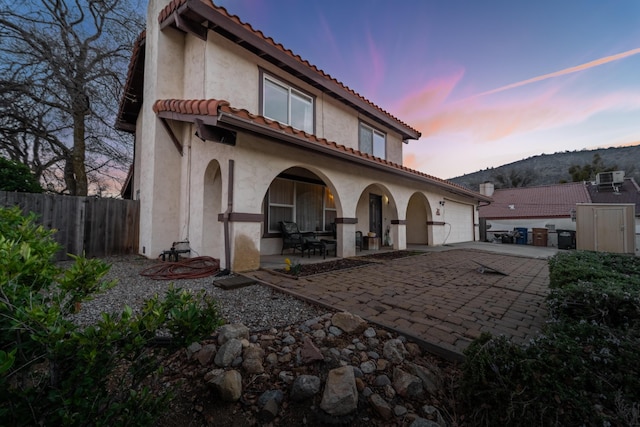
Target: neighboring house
(234, 133)
(550, 207)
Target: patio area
(442, 298)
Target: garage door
(459, 217)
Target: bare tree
(63, 63)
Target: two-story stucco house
(234, 133)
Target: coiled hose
(189, 268)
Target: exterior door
(375, 214)
(610, 230)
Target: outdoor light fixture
(441, 202)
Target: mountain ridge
(547, 169)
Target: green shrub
(53, 372)
(582, 370)
(16, 176)
(568, 268)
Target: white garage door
(459, 218)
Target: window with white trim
(286, 104)
(310, 205)
(372, 141)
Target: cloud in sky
(484, 120)
(581, 67)
(489, 122)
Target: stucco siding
(194, 67)
(230, 74)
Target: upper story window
(286, 104)
(372, 141)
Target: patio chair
(358, 240)
(293, 238)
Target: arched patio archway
(418, 217)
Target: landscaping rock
(430, 376)
(394, 351)
(206, 354)
(234, 330)
(228, 352)
(340, 395)
(304, 387)
(310, 353)
(252, 360)
(381, 406)
(376, 369)
(227, 384)
(406, 384)
(349, 323)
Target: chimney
(487, 188)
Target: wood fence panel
(111, 227)
(93, 226)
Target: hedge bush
(583, 369)
(53, 372)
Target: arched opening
(375, 210)
(417, 220)
(212, 234)
(299, 195)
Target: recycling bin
(521, 236)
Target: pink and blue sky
(486, 82)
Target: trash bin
(539, 236)
(521, 237)
(566, 239)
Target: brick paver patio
(440, 299)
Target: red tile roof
(132, 95)
(213, 107)
(536, 202)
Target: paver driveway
(441, 299)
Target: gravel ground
(257, 306)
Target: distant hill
(548, 169)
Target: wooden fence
(94, 226)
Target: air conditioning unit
(610, 178)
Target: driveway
(443, 299)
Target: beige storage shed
(605, 227)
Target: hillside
(548, 169)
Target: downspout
(225, 218)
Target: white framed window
(287, 104)
(310, 205)
(372, 141)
